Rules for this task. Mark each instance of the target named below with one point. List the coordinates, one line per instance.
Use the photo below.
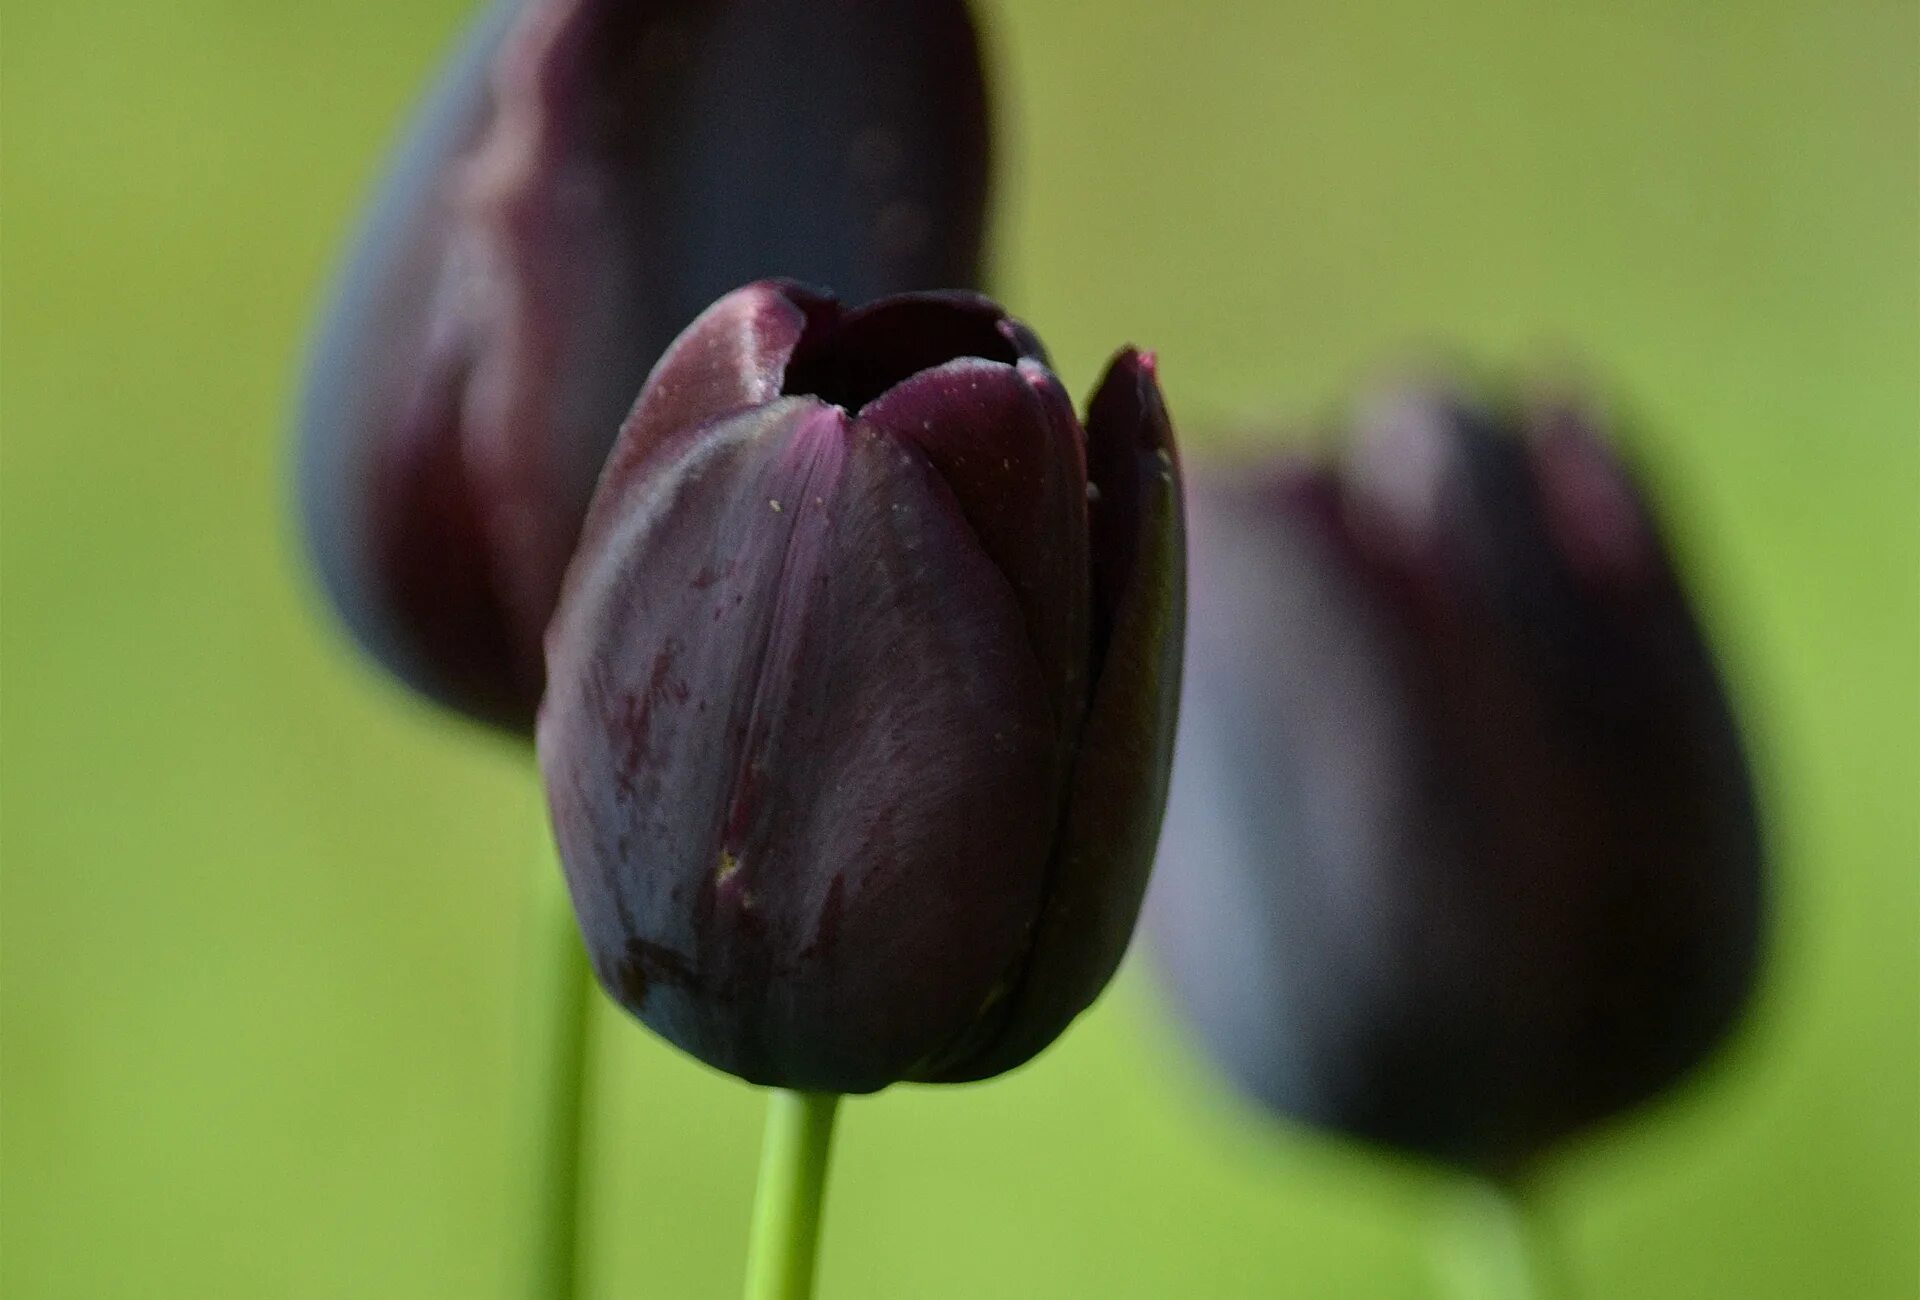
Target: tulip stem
(786, 1211)
(554, 1014)
(1509, 1248)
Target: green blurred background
(260, 908)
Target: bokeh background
(260, 908)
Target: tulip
(862, 689)
(589, 175)
(1461, 852)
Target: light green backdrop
(259, 908)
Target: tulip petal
(1112, 821)
(1285, 912)
(426, 526)
(373, 449)
(1585, 703)
(1007, 444)
(734, 355)
(1588, 499)
(796, 752)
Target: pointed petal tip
(1134, 473)
(1035, 373)
(1047, 385)
(736, 352)
(1128, 407)
(1593, 506)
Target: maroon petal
(1130, 454)
(1007, 444)
(1588, 500)
(797, 753)
(390, 520)
(1294, 808)
(1101, 863)
(734, 355)
(426, 531)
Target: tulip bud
(1461, 853)
(587, 177)
(861, 690)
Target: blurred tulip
(1461, 854)
(862, 690)
(588, 176)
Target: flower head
(862, 689)
(1461, 854)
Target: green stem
(1509, 1248)
(786, 1207)
(554, 1015)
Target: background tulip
(862, 690)
(589, 175)
(1461, 853)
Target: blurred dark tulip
(862, 689)
(588, 176)
(1461, 855)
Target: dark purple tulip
(1461, 854)
(587, 177)
(862, 689)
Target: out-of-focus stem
(786, 1208)
(554, 1010)
(1505, 1246)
